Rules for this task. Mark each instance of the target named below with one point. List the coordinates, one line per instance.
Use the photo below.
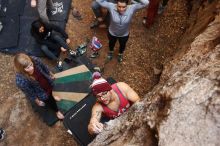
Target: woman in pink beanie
(112, 101)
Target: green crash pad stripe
(78, 86)
(76, 97)
(74, 77)
(65, 105)
(71, 71)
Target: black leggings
(113, 40)
(51, 102)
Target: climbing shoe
(120, 58)
(72, 53)
(110, 55)
(94, 55)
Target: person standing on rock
(36, 81)
(112, 101)
(120, 18)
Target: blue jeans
(53, 53)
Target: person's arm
(95, 126)
(24, 85)
(105, 4)
(33, 3)
(129, 92)
(140, 5)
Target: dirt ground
(146, 52)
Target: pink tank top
(124, 104)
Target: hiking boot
(110, 55)
(120, 58)
(94, 24)
(94, 55)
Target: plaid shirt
(30, 87)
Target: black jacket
(42, 38)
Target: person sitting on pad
(36, 81)
(52, 39)
(112, 101)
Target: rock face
(184, 108)
(193, 88)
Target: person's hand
(52, 76)
(33, 3)
(39, 102)
(95, 127)
(57, 98)
(67, 41)
(62, 49)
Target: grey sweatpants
(42, 6)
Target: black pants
(51, 102)
(113, 40)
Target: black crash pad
(11, 7)
(17, 16)
(45, 113)
(10, 32)
(77, 119)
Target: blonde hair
(21, 61)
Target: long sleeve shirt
(119, 23)
(31, 88)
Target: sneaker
(2, 132)
(94, 55)
(60, 65)
(120, 57)
(110, 55)
(97, 69)
(72, 53)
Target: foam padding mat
(12, 7)
(45, 113)
(17, 16)
(72, 85)
(10, 32)
(77, 120)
